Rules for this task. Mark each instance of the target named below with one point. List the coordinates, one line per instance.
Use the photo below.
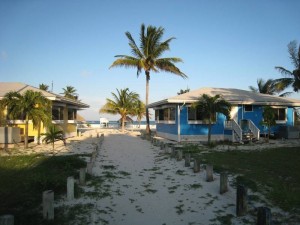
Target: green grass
(274, 172)
(24, 178)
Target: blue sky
(222, 43)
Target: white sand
(153, 193)
(149, 187)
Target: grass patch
(24, 178)
(224, 220)
(179, 209)
(181, 172)
(274, 172)
(152, 191)
(195, 186)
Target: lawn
(24, 178)
(274, 172)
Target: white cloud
(3, 55)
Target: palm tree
(292, 77)
(70, 92)
(44, 87)
(183, 91)
(44, 116)
(268, 119)
(30, 105)
(53, 134)
(147, 57)
(123, 103)
(270, 87)
(139, 111)
(209, 106)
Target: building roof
(234, 96)
(6, 87)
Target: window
(164, 115)
(248, 108)
(195, 116)
(280, 113)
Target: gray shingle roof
(6, 87)
(234, 96)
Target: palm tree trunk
(26, 133)
(148, 131)
(123, 123)
(39, 133)
(209, 132)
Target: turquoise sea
(116, 123)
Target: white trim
(165, 121)
(178, 126)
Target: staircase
(243, 132)
(237, 130)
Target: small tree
(183, 91)
(53, 134)
(268, 119)
(124, 103)
(31, 105)
(209, 106)
(70, 92)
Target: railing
(232, 124)
(255, 131)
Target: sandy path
(152, 189)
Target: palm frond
(127, 62)
(294, 54)
(284, 71)
(134, 48)
(168, 66)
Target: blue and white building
(177, 120)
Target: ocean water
(116, 123)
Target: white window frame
(197, 121)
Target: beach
(137, 183)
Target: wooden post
(223, 183)
(162, 144)
(70, 188)
(264, 216)
(209, 173)
(48, 205)
(82, 172)
(196, 165)
(173, 152)
(179, 154)
(241, 200)
(97, 135)
(7, 220)
(187, 160)
(89, 168)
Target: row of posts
(176, 151)
(48, 196)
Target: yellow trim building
(64, 110)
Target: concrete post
(209, 173)
(223, 183)
(48, 205)
(187, 160)
(70, 188)
(196, 165)
(89, 168)
(7, 220)
(241, 200)
(179, 154)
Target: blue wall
(200, 129)
(218, 128)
